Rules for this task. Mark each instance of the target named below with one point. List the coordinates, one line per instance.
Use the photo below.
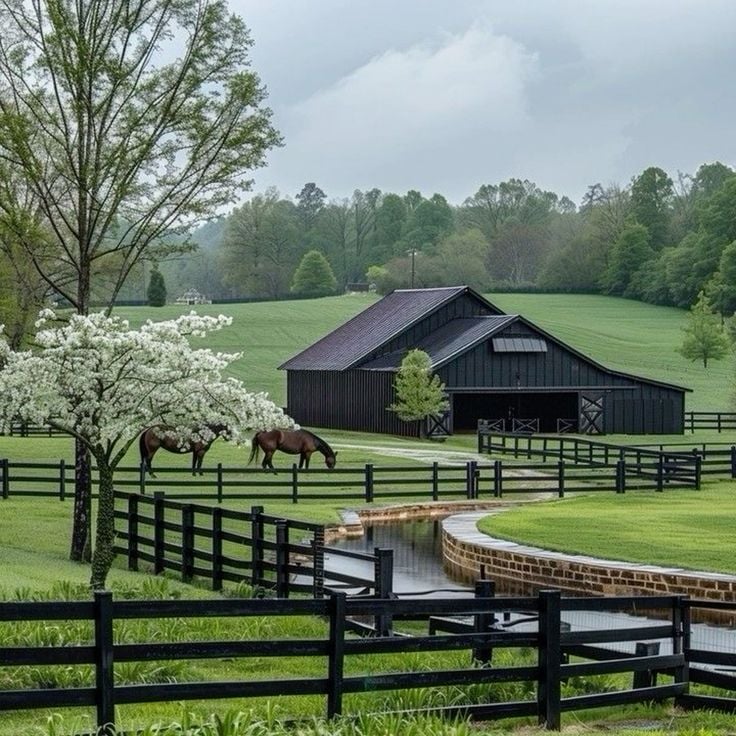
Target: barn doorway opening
(468, 408)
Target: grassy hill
(622, 334)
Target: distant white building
(192, 296)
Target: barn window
(519, 345)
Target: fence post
(497, 479)
(733, 461)
(698, 471)
(219, 483)
(318, 562)
(133, 532)
(282, 558)
(62, 480)
(435, 481)
(645, 678)
(620, 476)
(550, 651)
(104, 674)
(142, 479)
(384, 576)
(561, 479)
(681, 638)
(217, 548)
(336, 654)
(369, 483)
(187, 542)
(158, 532)
(660, 473)
(471, 490)
(483, 622)
(5, 479)
(256, 546)
(294, 483)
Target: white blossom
(98, 379)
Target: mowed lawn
(694, 530)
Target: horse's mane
(322, 446)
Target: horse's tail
(145, 459)
(254, 449)
(142, 446)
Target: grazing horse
(161, 436)
(295, 442)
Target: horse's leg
(303, 458)
(147, 462)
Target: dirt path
(429, 455)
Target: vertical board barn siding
(353, 400)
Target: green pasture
(621, 334)
(691, 529)
(679, 528)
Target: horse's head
(330, 460)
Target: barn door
(438, 427)
(591, 414)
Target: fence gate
(591, 414)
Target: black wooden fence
(652, 464)
(655, 677)
(276, 555)
(718, 420)
(432, 482)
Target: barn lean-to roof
(352, 342)
(446, 343)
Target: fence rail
(552, 641)
(671, 465)
(718, 420)
(578, 469)
(274, 554)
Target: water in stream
(418, 570)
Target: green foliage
(156, 294)
(314, 276)
(629, 254)
(704, 338)
(651, 195)
(419, 394)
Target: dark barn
(495, 366)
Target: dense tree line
(657, 239)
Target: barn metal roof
(448, 341)
(350, 343)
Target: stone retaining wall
(524, 569)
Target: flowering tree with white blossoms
(104, 383)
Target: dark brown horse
(295, 442)
(153, 438)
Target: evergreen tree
(314, 276)
(156, 294)
(419, 394)
(704, 339)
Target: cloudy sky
(447, 95)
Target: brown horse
(152, 439)
(295, 442)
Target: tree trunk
(105, 537)
(82, 519)
(81, 527)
